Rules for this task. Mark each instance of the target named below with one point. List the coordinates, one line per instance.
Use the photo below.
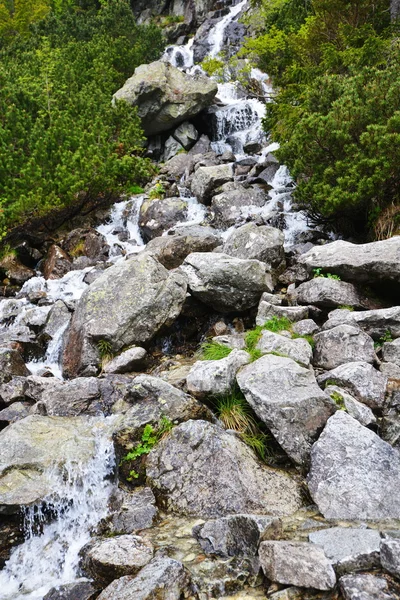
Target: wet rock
(297, 563)
(342, 344)
(233, 205)
(286, 397)
(350, 466)
(165, 96)
(366, 587)
(58, 317)
(260, 243)
(391, 352)
(376, 323)
(295, 274)
(14, 270)
(211, 377)
(207, 179)
(126, 362)
(329, 293)
(73, 591)
(107, 559)
(364, 382)
(349, 549)
(126, 305)
(133, 511)
(11, 365)
(296, 349)
(390, 556)
(56, 264)
(13, 391)
(186, 134)
(179, 165)
(305, 327)
(156, 216)
(86, 242)
(172, 148)
(226, 283)
(362, 263)
(267, 310)
(202, 146)
(171, 250)
(162, 578)
(356, 409)
(201, 470)
(236, 535)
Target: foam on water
(124, 216)
(216, 36)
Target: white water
(216, 36)
(52, 558)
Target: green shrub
(213, 67)
(232, 409)
(157, 192)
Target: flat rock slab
(297, 563)
(354, 473)
(267, 310)
(359, 378)
(329, 293)
(297, 349)
(376, 323)
(366, 587)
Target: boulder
(267, 310)
(225, 283)
(391, 352)
(329, 293)
(171, 148)
(233, 205)
(297, 563)
(107, 559)
(305, 327)
(126, 362)
(236, 535)
(234, 341)
(156, 216)
(202, 470)
(172, 249)
(14, 412)
(126, 305)
(296, 349)
(83, 590)
(366, 587)
(14, 270)
(13, 391)
(364, 382)
(58, 317)
(350, 468)
(186, 134)
(11, 365)
(57, 263)
(132, 511)
(165, 96)
(179, 165)
(345, 401)
(390, 556)
(259, 243)
(376, 323)
(349, 549)
(207, 179)
(86, 242)
(371, 263)
(213, 377)
(162, 578)
(342, 344)
(286, 397)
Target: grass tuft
(233, 410)
(214, 351)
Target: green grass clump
(338, 400)
(259, 443)
(214, 351)
(157, 192)
(386, 337)
(135, 189)
(277, 324)
(346, 307)
(308, 338)
(318, 273)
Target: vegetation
(104, 348)
(213, 67)
(157, 192)
(338, 400)
(61, 140)
(318, 273)
(214, 351)
(386, 337)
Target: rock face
(286, 397)
(366, 587)
(390, 556)
(329, 293)
(362, 263)
(342, 344)
(259, 243)
(133, 511)
(165, 96)
(350, 467)
(201, 470)
(211, 377)
(11, 365)
(126, 305)
(128, 361)
(297, 563)
(56, 264)
(359, 378)
(225, 283)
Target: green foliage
(171, 20)
(277, 324)
(318, 273)
(105, 348)
(346, 307)
(338, 400)
(61, 140)
(16, 16)
(386, 337)
(214, 351)
(259, 442)
(157, 192)
(213, 67)
(135, 189)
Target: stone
(165, 96)
(225, 283)
(162, 578)
(297, 563)
(14, 270)
(201, 470)
(349, 549)
(207, 179)
(157, 216)
(126, 362)
(202, 146)
(390, 556)
(377, 323)
(305, 327)
(233, 205)
(86, 242)
(296, 349)
(259, 243)
(172, 249)
(133, 511)
(366, 587)
(267, 310)
(11, 365)
(391, 352)
(179, 165)
(286, 397)
(235, 341)
(186, 134)
(213, 377)
(342, 344)
(14, 412)
(236, 535)
(172, 148)
(107, 559)
(58, 317)
(83, 590)
(371, 263)
(364, 382)
(390, 370)
(57, 263)
(329, 293)
(13, 391)
(356, 409)
(125, 306)
(354, 474)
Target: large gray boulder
(342, 344)
(364, 382)
(233, 204)
(186, 134)
(207, 179)
(376, 323)
(366, 587)
(297, 349)
(157, 216)
(213, 377)
(126, 362)
(362, 263)
(391, 352)
(297, 563)
(346, 401)
(202, 470)
(286, 397)
(390, 556)
(126, 305)
(260, 243)
(329, 293)
(31, 448)
(354, 473)
(225, 283)
(165, 96)
(11, 365)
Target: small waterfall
(216, 37)
(52, 360)
(49, 556)
(124, 219)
